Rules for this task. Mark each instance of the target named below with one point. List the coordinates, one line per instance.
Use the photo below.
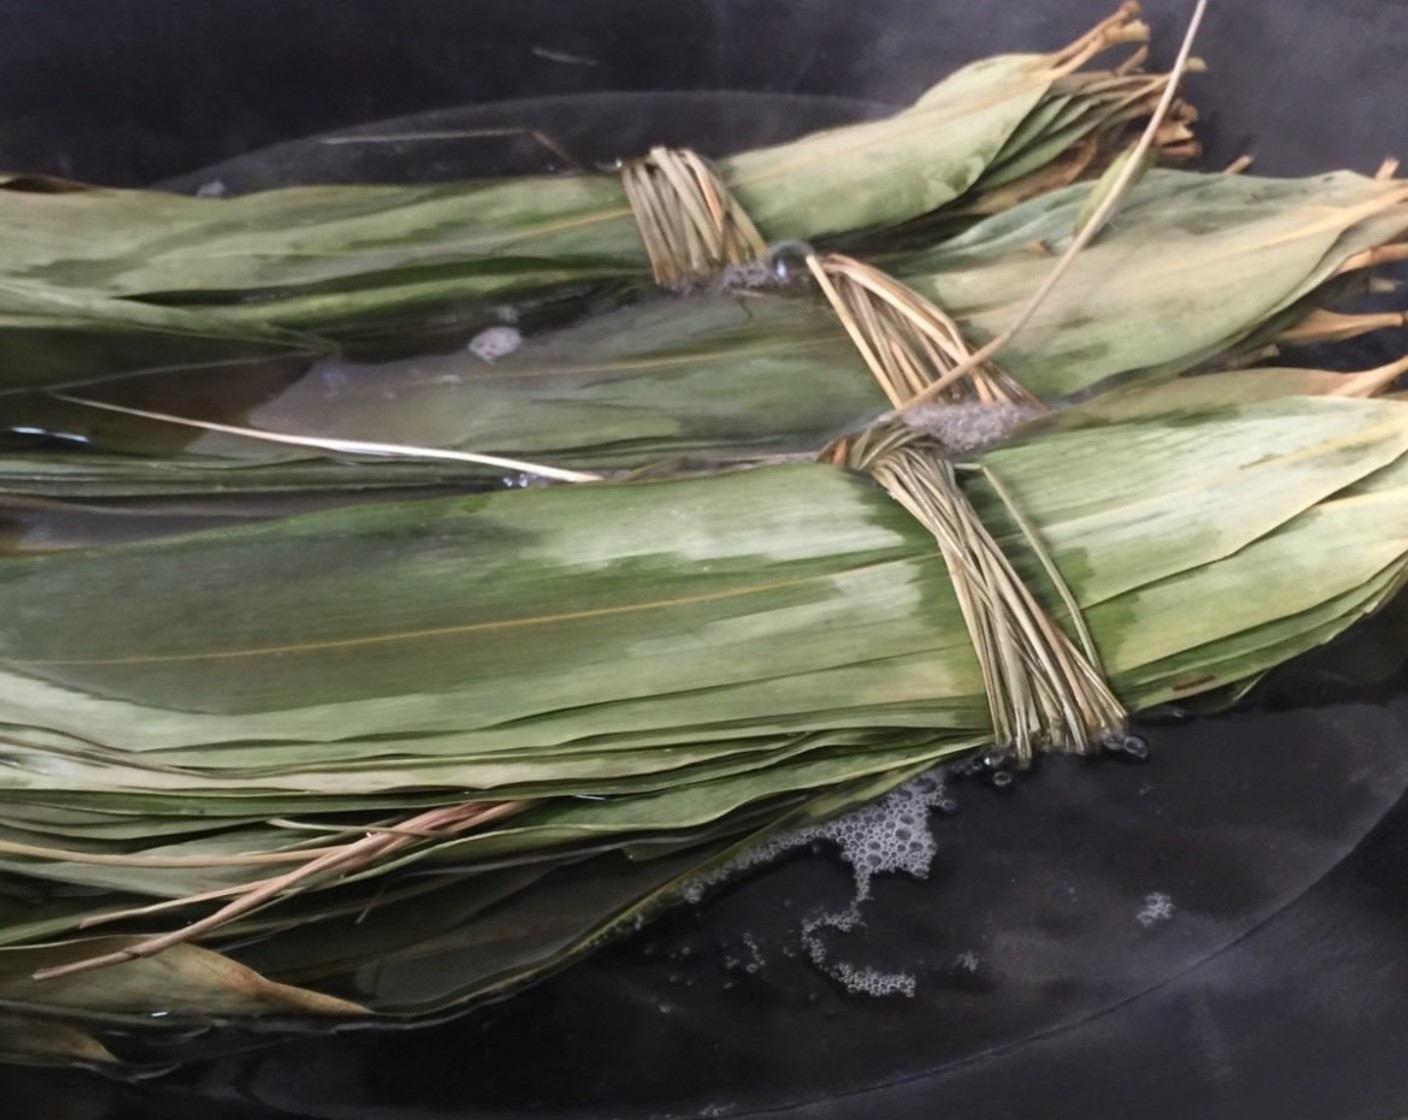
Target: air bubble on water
(1133, 748)
(755, 960)
(526, 481)
(506, 314)
(788, 259)
(213, 189)
(998, 758)
(495, 342)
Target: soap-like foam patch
(1158, 907)
(890, 835)
(969, 426)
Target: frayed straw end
(1371, 382)
(1332, 326)
(1123, 27)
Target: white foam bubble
(755, 960)
(1158, 907)
(867, 981)
(495, 342)
(967, 961)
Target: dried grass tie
(908, 343)
(1043, 692)
(692, 227)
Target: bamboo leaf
(188, 980)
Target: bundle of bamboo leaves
(413, 748)
(104, 282)
(404, 734)
(1199, 270)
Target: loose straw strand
(445, 822)
(343, 446)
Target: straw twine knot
(693, 228)
(909, 345)
(1044, 694)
